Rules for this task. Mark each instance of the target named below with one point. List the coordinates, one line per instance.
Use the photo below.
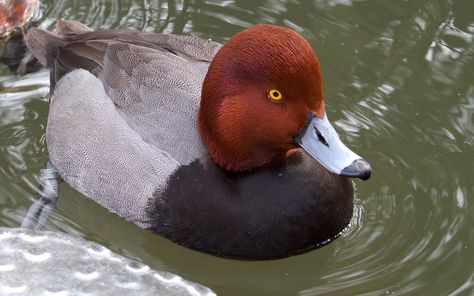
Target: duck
(221, 148)
(16, 14)
(16, 17)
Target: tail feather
(71, 27)
(43, 45)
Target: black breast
(284, 209)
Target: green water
(399, 87)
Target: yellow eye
(275, 95)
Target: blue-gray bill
(321, 141)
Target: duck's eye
(275, 95)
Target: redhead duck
(15, 17)
(16, 14)
(200, 142)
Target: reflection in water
(398, 84)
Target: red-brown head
(242, 120)
(262, 89)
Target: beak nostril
(320, 137)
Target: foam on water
(51, 263)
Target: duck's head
(262, 99)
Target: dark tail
(43, 44)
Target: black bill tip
(358, 169)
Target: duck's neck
(232, 154)
(230, 145)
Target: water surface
(398, 83)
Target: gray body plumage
(117, 134)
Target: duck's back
(158, 94)
(154, 80)
(121, 126)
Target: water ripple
(397, 83)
